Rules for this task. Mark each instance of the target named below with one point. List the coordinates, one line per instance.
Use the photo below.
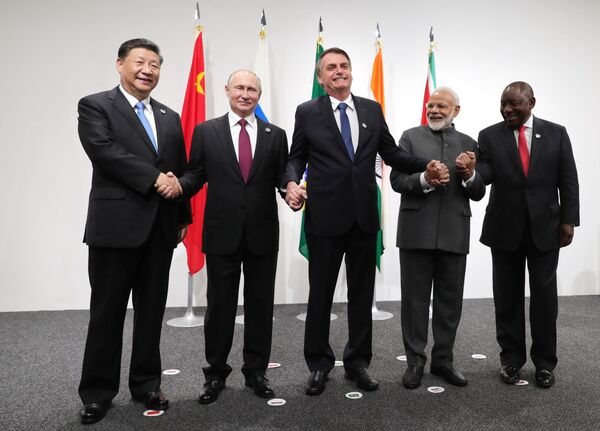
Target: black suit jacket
(123, 203)
(237, 211)
(546, 198)
(341, 191)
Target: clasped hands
(295, 195)
(436, 173)
(465, 164)
(167, 185)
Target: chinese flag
(194, 112)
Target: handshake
(167, 185)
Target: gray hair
(449, 91)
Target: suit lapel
(510, 143)
(223, 134)
(324, 104)
(159, 120)
(537, 135)
(364, 132)
(124, 108)
(263, 136)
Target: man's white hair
(450, 91)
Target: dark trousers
(509, 300)
(114, 273)
(420, 270)
(323, 268)
(223, 273)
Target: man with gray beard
(433, 238)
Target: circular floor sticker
(354, 395)
(478, 356)
(435, 389)
(171, 372)
(151, 413)
(339, 363)
(401, 358)
(276, 402)
(522, 383)
(274, 365)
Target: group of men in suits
(139, 211)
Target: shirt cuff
(424, 184)
(467, 183)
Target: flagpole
(377, 88)
(190, 319)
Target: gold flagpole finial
(199, 28)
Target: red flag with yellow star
(194, 112)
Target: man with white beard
(433, 238)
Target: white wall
(56, 52)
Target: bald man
(242, 160)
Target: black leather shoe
(509, 374)
(92, 412)
(362, 378)
(316, 382)
(412, 376)
(153, 400)
(260, 384)
(449, 374)
(544, 378)
(211, 391)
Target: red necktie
(523, 151)
(244, 150)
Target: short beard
(439, 125)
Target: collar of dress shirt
(133, 100)
(235, 118)
(335, 102)
(529, 123)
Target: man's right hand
(167, 185)
(437, 173)
(295, 195)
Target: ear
(531, 103)
(456, 110)
(119, 65)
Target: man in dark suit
(136, 148)
(242, 160)
(339, 136)
(532, 211)
(433, 238)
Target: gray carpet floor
(42, 352)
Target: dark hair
(128, 45)
(523, 87)
(333, 50)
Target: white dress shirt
(351, 112)
(528, 133)
(147, 110)
(234, 127)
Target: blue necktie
(345, 129)
(139, 110)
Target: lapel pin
(267, 130)
(537, 135)
(364, 125)
(162, 111)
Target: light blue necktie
(139, 110)
(345, 129)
